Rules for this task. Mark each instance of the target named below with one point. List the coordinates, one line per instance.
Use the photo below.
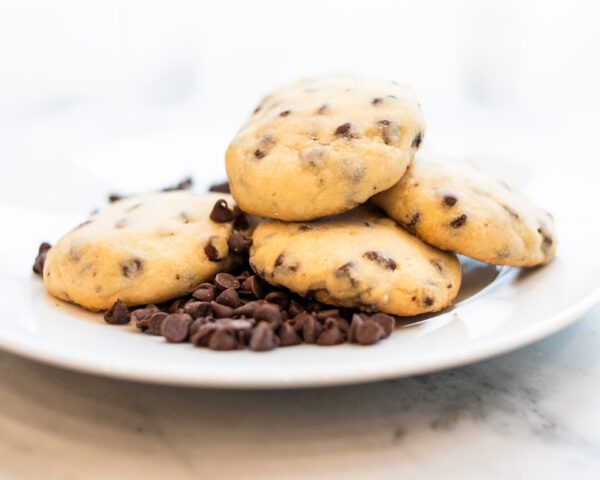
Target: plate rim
(482, 350)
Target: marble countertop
(533, 413)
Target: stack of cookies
(359, 216)
(345, 210)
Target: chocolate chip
(230, 298)
(204, 292)
(256, 110)
(221, 212)
(344, 130)
(414, 220)
(331, 336)
(511, 211)
(390, 131)
(295, 309)
(132, 267)
(142, 314)
(263, 338)
(185, 184)
(220, 311)
(154, 323)
(197, 309)
(264, 146)
(118, 314)
(114, 197)
(386, 321)
(238, 243)
(280, 261)
(241, 220)
(346, 271)
(329, 313)
(211, 250)
(175, 328)
(201, 332)
(224, 281)
(40, 260)
(450, 200)
(377, 101)
(253, 286)
(220, 188)
(459, 221)
(369, 332)
(546, 237)
(285, 113)
(279, 298)
(428, 301)
(223, 338)
(437, 265)
(270, 313)
(311, 329)
(380, 259)
(176, 305)
(305, 228)
(416, 143)
(246, 310)
(300, 320)
(288, 335)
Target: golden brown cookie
(321, 147)
(359, 259)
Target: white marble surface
(531, 414)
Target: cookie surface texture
(359, 259)
(321, 147)
(454, 206)
(144, 249)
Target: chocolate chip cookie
(321, 147)
(360, 259)
(452, 205)
(145, 249)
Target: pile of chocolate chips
(238, 309)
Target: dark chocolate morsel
(263, 338)
(40, 260)
(220, 311)
(221, 213)
(220, 188)
(132, 267)
(459, 221)
(386, 321)
(118, 314)
(211, 251)
(450, 200)
(416, 143)
(288, 335)
(205, 292)
(270, 313)
(175, 328)
(380, 259)
(344, 130)
(279, 298)
(229, 297)
(238, 243)
(224, 281)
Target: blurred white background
(149, 90)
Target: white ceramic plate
(499, 309)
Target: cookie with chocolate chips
(452, 205)
(144, 249)
(359, 259)
(321, 147)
